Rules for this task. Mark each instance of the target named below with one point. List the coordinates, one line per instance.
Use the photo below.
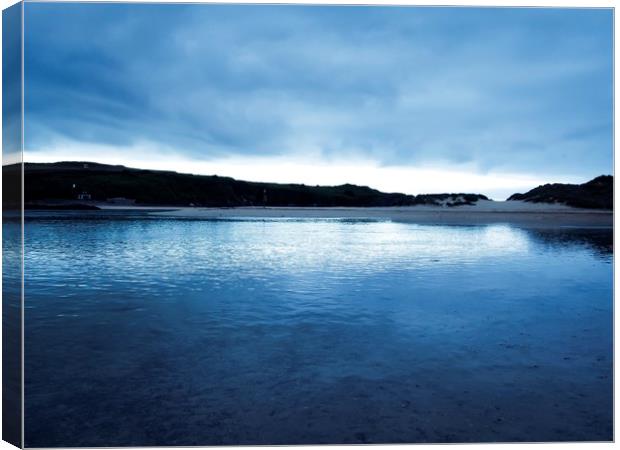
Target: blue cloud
(505, 89)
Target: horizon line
(288, 183)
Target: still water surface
(152, 331)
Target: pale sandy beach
(514, 212)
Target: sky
(402, 99)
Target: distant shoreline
(94, 183)
(485, 212)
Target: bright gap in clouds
(312, 171)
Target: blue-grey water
(146, 330)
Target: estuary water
(144, 330)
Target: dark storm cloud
(503, 89)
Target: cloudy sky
(402, 99)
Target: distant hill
(597, 194)
(71, 181)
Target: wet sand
(484, 212)
(282, 332)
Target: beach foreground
(308, 331)
(484, 212)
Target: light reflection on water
(181, 332)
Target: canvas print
(229, 224)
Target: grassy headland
(100, 182)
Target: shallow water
(156, 331)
